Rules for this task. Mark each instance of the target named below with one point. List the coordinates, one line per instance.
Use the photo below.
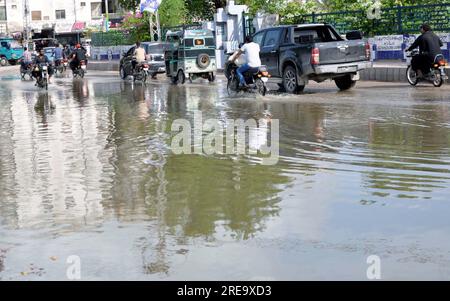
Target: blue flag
(150, 5)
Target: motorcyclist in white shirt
(253, 61)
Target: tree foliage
(171, 12)
(177, 12)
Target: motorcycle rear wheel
(260, 87)
(438, 80)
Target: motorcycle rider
(41, 58)
(138, 55)
(26, 58)
(429, 46)
(77, 56)
(58, 54)
(66, 51)
(253, 61)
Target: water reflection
(75, 159)
(411, 154)
(80, 90)
(44, 106)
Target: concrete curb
(387, 74)
(103, 66)
(376, 73)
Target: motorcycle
(140, 72)
(80, 70)
(255, 78)
(26, 70)
(61, 66)
(436, 76)
(42, 79)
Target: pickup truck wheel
(290, 79)
(3, 61)
(345, 82)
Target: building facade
(52, 18)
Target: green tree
(202, 10)
(130, 5)
(171, 12)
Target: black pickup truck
(298, 53)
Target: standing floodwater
(87, 170)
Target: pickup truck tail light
(315, 56)
(367, 51)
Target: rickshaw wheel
(181, 78)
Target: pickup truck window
(286, 36)
(272, 38)
(315, 35)
(257, 38)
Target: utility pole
(6, 17)
(107, 16)
(26, 11)
(75, 9)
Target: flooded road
(87, 170)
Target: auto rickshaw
(191, 55)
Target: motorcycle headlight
(44, 68)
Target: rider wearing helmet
(77, 56)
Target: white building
(59, 16)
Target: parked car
(299, 53)
(10, 51)
(155, 57)
(125, 66)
